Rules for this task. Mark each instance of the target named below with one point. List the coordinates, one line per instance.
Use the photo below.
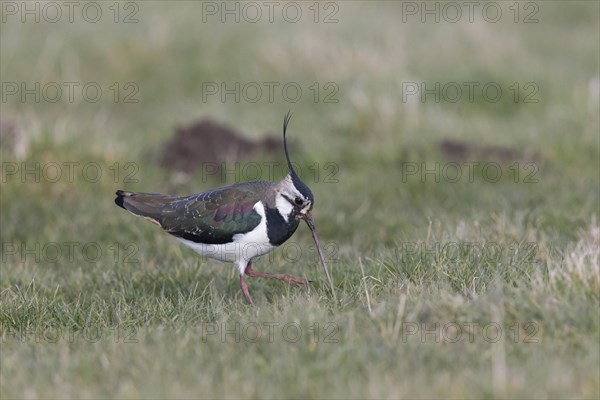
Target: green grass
(513, 264)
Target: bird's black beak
(309, 221)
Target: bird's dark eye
(298, 201)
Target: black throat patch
(278, 230)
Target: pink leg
(245, 291)
(290, 280)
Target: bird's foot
(290, 280)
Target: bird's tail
(147, 205)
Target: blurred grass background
(367, 216)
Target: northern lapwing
(236, 223)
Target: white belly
(243, 249)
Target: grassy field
(458, 274)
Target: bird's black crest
(286, 121)
(302, 188)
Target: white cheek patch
(284, 207)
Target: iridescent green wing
(213, 217)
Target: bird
(236, 223)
